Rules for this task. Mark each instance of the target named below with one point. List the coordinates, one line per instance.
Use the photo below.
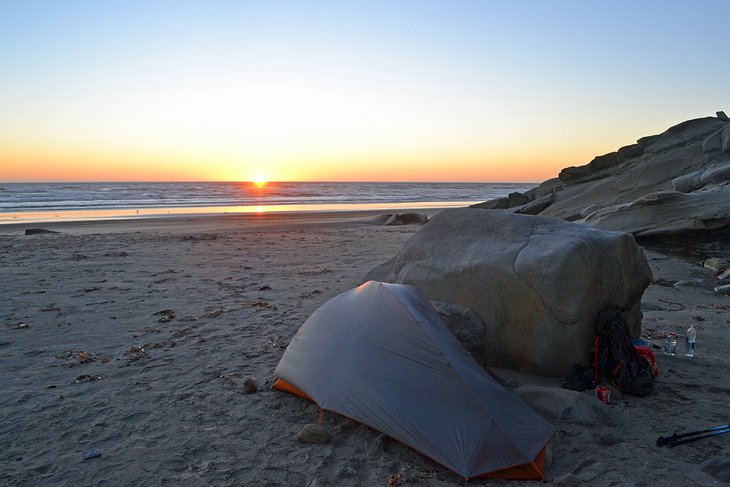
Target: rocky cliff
(676, 182)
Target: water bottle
(690, 343)
(670, 345)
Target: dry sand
(136, 338)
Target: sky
(346, 91)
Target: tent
(380, 354)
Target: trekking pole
(679, 439)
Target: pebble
(249, 386)
(313, 433)
(95, 453)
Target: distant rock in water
(677, 182)
(38, 231)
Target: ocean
(112, 198)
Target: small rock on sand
(313, 433)
(717, 265)
(249, 386)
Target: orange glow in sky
(341, 91)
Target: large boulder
(537, 283)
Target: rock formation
(536, 283)
(671, 183)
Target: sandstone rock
(630, 151)
(688, 182)
(516, 199)
(692, 158)
(536, 283)
(537, 206)
(666, 213)
(556, 404)
(401, 219)
(467, 326)
(498, 204)
(313, 433)
(588, 210)
(715, 175)
(548, 187)
(721, 115)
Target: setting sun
(259, 181)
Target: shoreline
(104, 215)
(190, 223)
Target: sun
(259, 181)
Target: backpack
(616, 359)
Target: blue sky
(347, 90)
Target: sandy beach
(135, 337)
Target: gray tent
(380, 354)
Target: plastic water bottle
(670, 345)
(691, 339)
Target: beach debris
(214, 314)
(166, 315)
(91, 289)
(249, 386)
(723, 289)
(49, 308)
(202, 236)
(265, 287)
(394, 479)
(311, 293)
(133, 355)
(690, 283)
(116, 254)
(87, 378)
(76, 357)
(315, 272)
(720, 306)
(717, 265)
(17, 326)
(275, 341)
(680, 306)
(38, 231)
(95, 453)
(260, 303)
(313, 433)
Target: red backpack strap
(595, 359)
